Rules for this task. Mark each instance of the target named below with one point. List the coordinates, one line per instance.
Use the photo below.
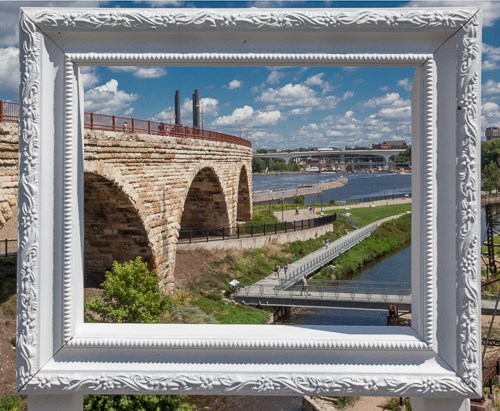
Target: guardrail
(359, 291)
(242, 231)
(9, 248)
(9, 111)
(319, 258)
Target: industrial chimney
(196, 109)
(177, 108)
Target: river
(359, 185)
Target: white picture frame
(436, 361)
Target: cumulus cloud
(405, 83)
(491, 57)
(249, 117)
(389, 99)
(490, 113)
(234, 84)
(9, 70)
(89, 77)
(491, 87)
(108, 99)
(275, 76)
(289, 95)
(142, 72)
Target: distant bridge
(340, 158)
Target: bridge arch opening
(205, 206)
(243, 206)
(113, 229)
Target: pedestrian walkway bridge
(334, 294)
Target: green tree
(404, 155)
(259, 165)
(261, 151)
(490, 151)
(491, 177)
(130, 295)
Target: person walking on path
(285, 270)
(305, 286)
(277, 271)
(327, 241)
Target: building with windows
(492, 132)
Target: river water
(359, 185)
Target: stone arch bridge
(141, 189)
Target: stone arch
(205, 205)
(244, 200)
(113, 228)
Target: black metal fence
(242, 231)
(8, 248)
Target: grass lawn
(366, 215)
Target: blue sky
(271, 106)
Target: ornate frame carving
(438, 357)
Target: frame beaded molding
(440, 381)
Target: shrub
(130, 294)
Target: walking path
(289, 215)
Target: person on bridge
(285, 270)
(327, 241)
(305, 286)
(277, 271)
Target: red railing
(9, 111)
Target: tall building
(492, 132)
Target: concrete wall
(258, 241)
(153, 176)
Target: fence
(335, 290)
(9, 248)
(374, 198)
(242, 231)
(9, 111)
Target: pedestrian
(305, 286)
(277, 271)
(327, 241)
(297, 210)
(285, 270)
(125, 126)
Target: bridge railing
(322, 257)
(9, 112)
(254, 230)
(8, 248)
(336, 290)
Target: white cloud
(89, 77)
(347, 94)
(142, 72)
(289, 95)
(9, 70)
(491, 57)
(399, 113)
(300, 111)
(491, 87)
(234, 84)
(490, 113)
(490, 9)
(405, 83)
(389, 99)
(348, 114)
(108, 99)
(249, 117)
(274, 76)
(209, 105)
(317, 81)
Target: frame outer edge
(28, 268)
(468, 210)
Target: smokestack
(196, 109)
(177, 108)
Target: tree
(490, 151)
(135, 402)
(259, 165)
(130, 294)
(491, 177)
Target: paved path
(289, 215)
